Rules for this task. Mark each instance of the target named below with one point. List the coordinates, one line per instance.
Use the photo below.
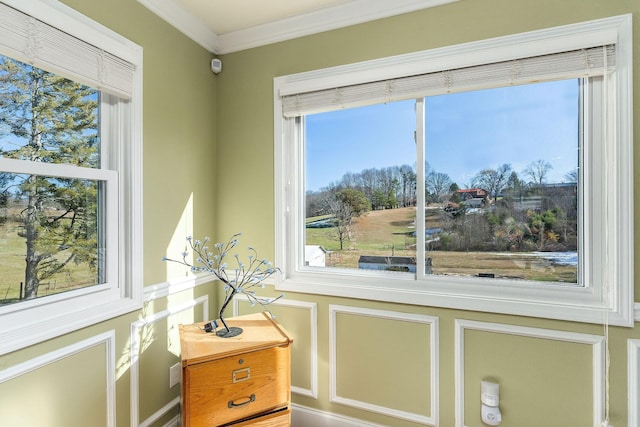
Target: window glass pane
(49, 239)
(502, 182)
(47, 118)
(360, 188)
(51, 230)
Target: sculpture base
(232, 332)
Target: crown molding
(356, 12)
(344, 15)
(188, 24)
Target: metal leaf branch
(241, 280)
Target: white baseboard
(303, 416)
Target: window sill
(562, 302)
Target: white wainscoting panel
(107, 339)
(598, 355)
(430, 321)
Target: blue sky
(359, 138)
(465, 133)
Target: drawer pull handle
(241, 375)
(233, 404)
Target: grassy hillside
(12, 268)
(390, 232)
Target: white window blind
(579, 63)
(29, 40)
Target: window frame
(30, 322)
(605, 298)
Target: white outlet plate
(174, 374)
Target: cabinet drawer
(220, 391)
(280, 418)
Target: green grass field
(390, 232)
(12, 269)
(377, 231)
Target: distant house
(473, 198)
(472, 193)
(314, 256)
(391, 263)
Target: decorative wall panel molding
(596, 342)
(172, 287)
(174, 422)
(410, 320)
(107, 339)
(136, 348)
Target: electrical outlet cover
(174, 375)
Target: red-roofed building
(473, 193)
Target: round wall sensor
(216, 65)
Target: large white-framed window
(516, 211)
(70, 172)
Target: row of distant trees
(384, 188)
(507, 224)
(495, 181)
(392, 187)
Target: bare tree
(538, 171)
(493, 180)
(438, 184)
(572, 176)
(369, 179)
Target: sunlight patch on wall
(124, 361)
(178, 243)
(183, 317)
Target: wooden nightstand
(239, 381)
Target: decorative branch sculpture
(243, 280)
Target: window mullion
(420, 189)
